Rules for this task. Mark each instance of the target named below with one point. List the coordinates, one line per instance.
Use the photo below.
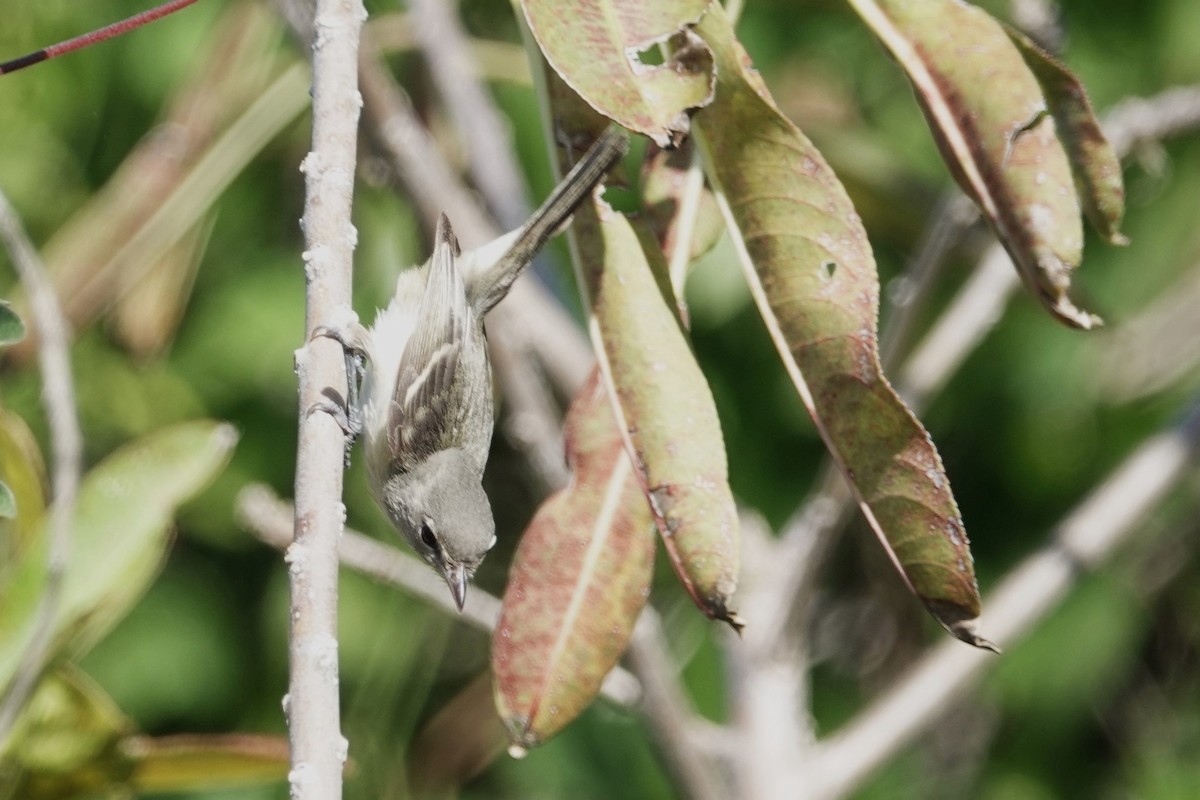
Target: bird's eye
(427, 537)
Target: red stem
(100, 35)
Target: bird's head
(441, 510)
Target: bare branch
(1083, 541)
(269, 519)
(66, 444)
(488, 144)
(675, 723)
(318, 750)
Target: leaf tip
(965, 631)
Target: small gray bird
(426, 413)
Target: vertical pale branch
(318, 750)
(66, 442)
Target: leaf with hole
(601, 49)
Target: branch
(66, 444)
(676, 726)
(269, 519)
(318, 750)
(1083, 541)
(488, 144)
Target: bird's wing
(426, 383)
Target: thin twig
(318, 750)
(908, 293)
(675, 723)
(1083, 541)
(262, 513)
(66, 444)
(488, 144)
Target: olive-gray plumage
(427, 409)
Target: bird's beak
(456, 579)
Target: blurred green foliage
(1103, 700)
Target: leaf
(72, 739)
(663, 404)
(578, 582)
(119, 535)
(595, 47)
(64, 743)
(665, 192)
(1096, 168)
(8, 502)
(22, 471)
(991, 122)
(811, 271)
(12, 328)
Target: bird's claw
(349, 415)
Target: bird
(419, 379)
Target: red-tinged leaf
(578, 582)
(812, 274)
(992, 124)
(1096, 167)
(595, 46)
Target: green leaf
(64, 744)
(991, 122)
(578, 582)
(12, 329)
(8, 502)
(812, 274)
(1096, 167)
(22, 472)
(596, 47)
(663, 404)
(119, 535)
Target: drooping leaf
(596, 47)
(12, 328)
(812, 274)
(992, 124)
(578, 582)
(119, 534)
(662, 402)
(1096, 167)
